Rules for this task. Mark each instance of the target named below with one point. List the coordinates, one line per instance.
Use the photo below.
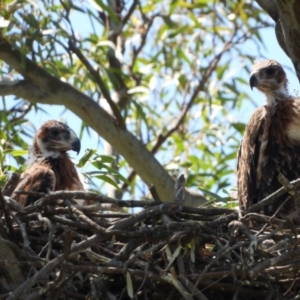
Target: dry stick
(174, 282)
(179, 201)
(70, 223)
(93, 208)
(68, 239)
(4, 262)
(25, 287)
(84, 218)
(151, 249)
(165, 218)
(31, 193)
(7, 216)
(192, 289)
(89, 210)
(48, 198)
(218, 274)
(222, 287)
(279, 209)
(218, 257)
(59, 285)
(233, 225)
(259, 218)
(180, 264)
(114, 270)
(11, 184)
(171, 228)
(100, 83)
(168, 227)
(273, 262)
(13, 205)
(180, 190)
(24, 235)
(291, 286)
(21, 253)
(256, 207)
(270, 295)
(148, 212)
(289, 187)
(142, 284)
(154, 195)
(237, 291)
(50, 234)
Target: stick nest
(62, 250)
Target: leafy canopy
(168, 71)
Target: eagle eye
(271, 71)
(54, 131)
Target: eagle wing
(37, 178)
(250, 156)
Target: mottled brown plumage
(271, 143)
(50, 167)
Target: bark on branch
(287, 26)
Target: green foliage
(172, 67)
(101, 168)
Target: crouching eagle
(271, 143)
(49, 166)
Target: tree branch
(286, 16)
(41, 87)
(100, 83)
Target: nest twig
(161, 251)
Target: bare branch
(99, 81)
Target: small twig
(173, 281)
(273, 262)
(50, 234)
(154, 194)
(148, 212)
(100, 83)
(289, 187)
(84, 218)
(192, 289)
(276, 213)
(180, 190)
(7, 215)
(237, 225)
(24, 235)
(48, 198)
(68, 239)
(143, 282)
(130, 12)
(11, 184)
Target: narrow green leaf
(16, 152)
(129, 285)
(86, 157)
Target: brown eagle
(49, 166)
(271, 143)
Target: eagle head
(55, 138)
(268, 76)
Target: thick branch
(286, 15)
(41, 87)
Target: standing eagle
(50, 167)
(271, 143)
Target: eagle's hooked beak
(76, 145)
(253, 81)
